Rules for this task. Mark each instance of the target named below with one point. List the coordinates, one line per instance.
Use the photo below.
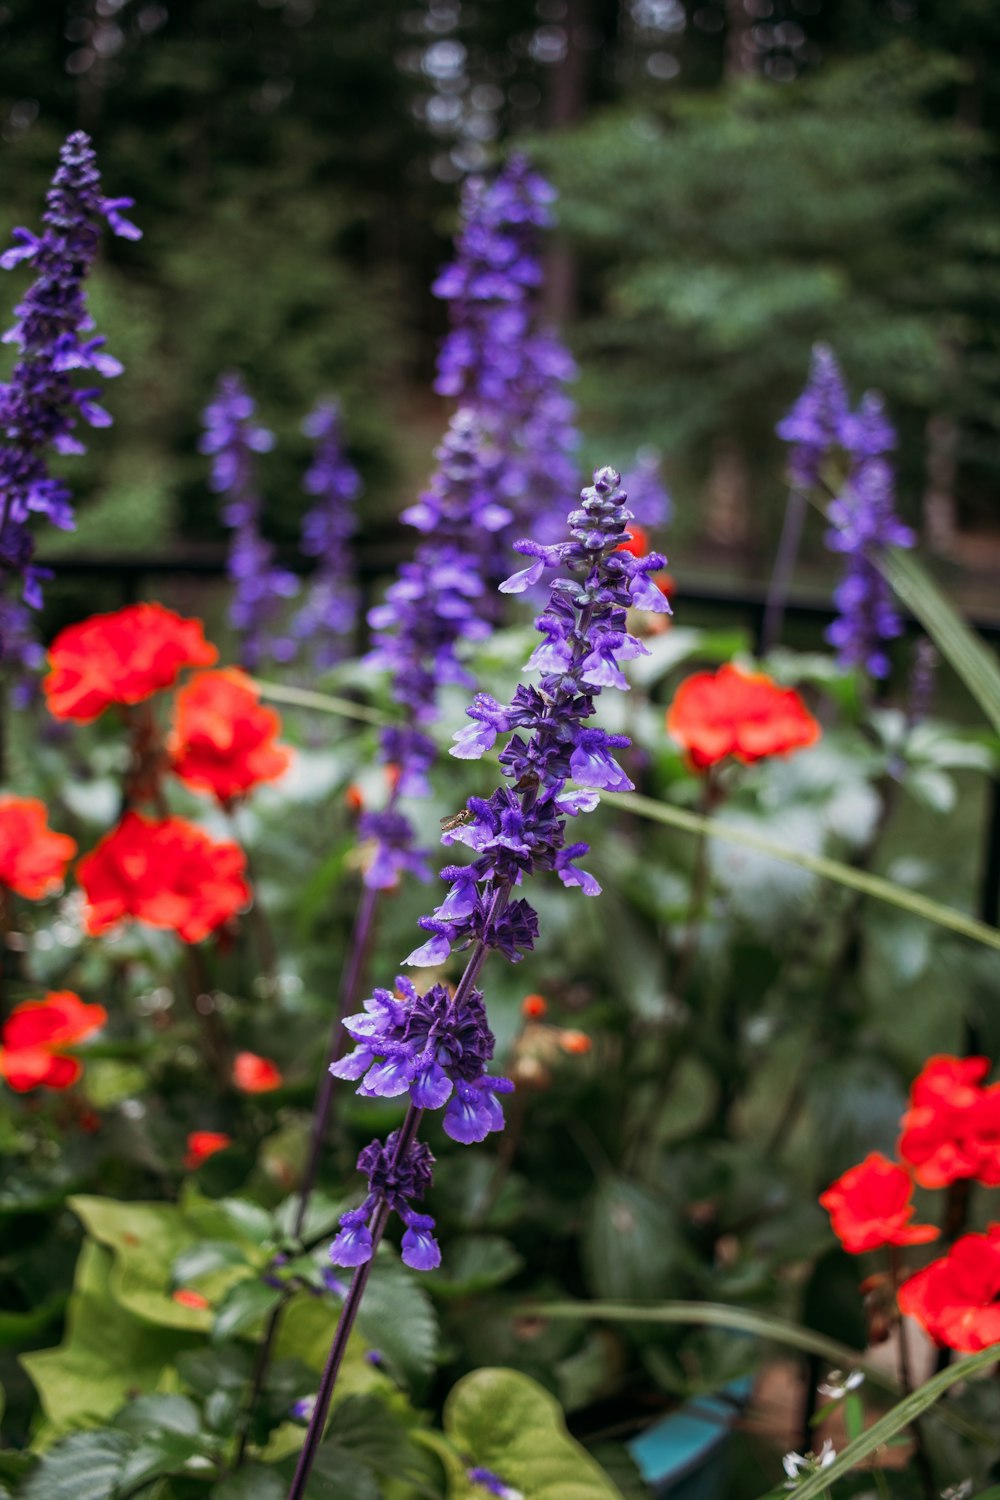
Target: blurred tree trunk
(566, 105)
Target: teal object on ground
(684, 1456)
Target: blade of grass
(763, 1325)
(324, 703)
(971, 658)
(817, 864)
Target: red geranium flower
(957, 1299)
(743, 714)
(223, 741)
(169, 874)
(870, 1206)
(255, 1075)
(33, 859)
(34, 1034)
(123, 657)
(952, 1128)
(638, 543)
(201, 1144)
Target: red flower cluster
(951, 1131)
(201, 1144)
(35, 1035)
(255, 1075)
(167, 873)
(952, 1127)
(870, 1206)
(957, 1299)
(741, 714)
(123, 657)
(33, 859)
(223, 740)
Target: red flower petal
(33, 859)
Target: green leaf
(208, 1370)
(338, 1476)
(506, 1422)
(251, 1483)
(86, 1466)
(398, 1318)
(321, 1215)
(157, 1454)
(24, 1327)
(368, 1430)
(632, 1246)
(248, 1219)
(816, 864)
(476, 1262)
(160, 1414)
(967, 653)
(106, 1351)
(201, 1259)
(894, 1421)
(244, 1306)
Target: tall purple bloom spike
(328, 616)
(435, 1047)
(819, 425)
(234, 440)
(497, 356)
(41, 405)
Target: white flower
(798, 1464)
(836, 1385)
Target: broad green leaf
(244, 1306)
(160, 1414)
(206, 1370)
(476, 1262)
(816, 864)
(368, 1430)
(251, 1483)
(157, 1454)
(338, 1476)
(968, 654)
(892, 1423)
(203, 1258)
(106, 1352)
(147, 1239)
(322, 1214)
(398, 1319)
(248, 1220)
(632, 1246)
(507, 1423)
(85, 1466)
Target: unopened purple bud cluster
(234, 441)
(328, 616)
(863, 512)
(40, 407)
(435, 1047)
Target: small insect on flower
(456, 820)
(837, 1385)
(798, 1465)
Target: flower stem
(906, 1381)
(348, 1316)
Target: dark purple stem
(345, 1326)
(349, 1311)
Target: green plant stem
(267, 948)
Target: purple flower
(393, 848)
(492, 1484)
(41, 406)
(397, 1183)
(815, 423)
(328, 615)
(233, 440)
(648, 499)
(302, 1410)
(497, 358)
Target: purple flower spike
(233, 440)
(327, 618)
(395, 1183)
(815, 423)
(41, 407)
